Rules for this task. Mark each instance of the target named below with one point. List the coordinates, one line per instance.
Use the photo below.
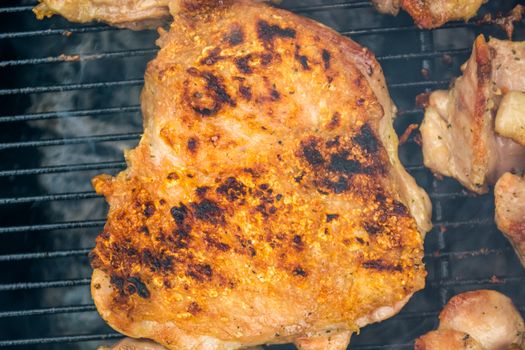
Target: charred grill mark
(335, 121)
(331, 217)
(213, 242)
(298, 243)
(333, 142)
(232, 189)
(157, 263)
(301, 58)
(236, 36)
(200, 272)
(194, 308)
(266, 59)
(178, 239)
(243, 63)
(172, 176)
(326, 58)
(312, 154)
(246, 92)
(267, 32)
(209, 211)
(212, 57)
(179, 213)
(399, 209)
(372, 228)
(339, 162)
(135, 285)
(274, 94)
(215, 90)
(118, 283)
(149, 209)
(299, 271)
(247, 246)
(201, 191)
(366, 139)
(192, 144)
(381, 265)
(246, 64)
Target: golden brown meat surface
(265, 202)
(431, 13)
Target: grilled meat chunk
(510, 119)
(265, 202)
(510, 211)
(458, 130)
(447, 339)
(133, 14)
(431, 13)
(487, 319)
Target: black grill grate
(69, 105)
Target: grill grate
(69, 105)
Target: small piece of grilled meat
(431, 13)
(476, 320)
(458, 131)
(509, 196)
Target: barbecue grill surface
(69, 106)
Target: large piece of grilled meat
(265, 202)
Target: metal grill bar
(45, 255)
(66, 168)
(50, 227)
(98, 223)
(70, 87)
(99, 28)
(85, 251)
(148, 51)
(69, 114)
(85, 281)
(48, 311)
(71, 141)
(62, 31)
(13, 9)
(101, 165)
(46, 284)
(484, 281)
(328, 7)
(65, 339)
(93, 194)
(50, 197)
(138, 82)
(79, 58)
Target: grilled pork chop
(458, 133)
(431, 13)
(265, 202)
